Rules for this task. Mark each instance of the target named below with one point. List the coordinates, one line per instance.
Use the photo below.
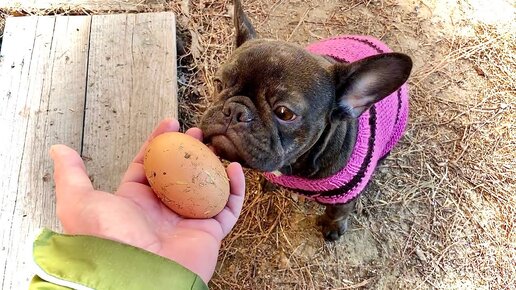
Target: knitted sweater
(379, 129)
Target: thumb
(72, 181)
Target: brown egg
(186, 175)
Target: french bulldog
(317, 120)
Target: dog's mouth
(225, 148)
(238, 146)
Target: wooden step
(97, 6)
(96, 83)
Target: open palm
(135, 216)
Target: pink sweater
(379, 129)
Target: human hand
(135, 216)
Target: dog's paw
(331, 229)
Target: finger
(196, 133)
(167, 125)
(135, 173)
(237, 185)
(140, 193)
(72, 181)
(229, 215)
(135, 169)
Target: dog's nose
(237, 113)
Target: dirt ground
(441, 211)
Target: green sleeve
(86, 262)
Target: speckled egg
(186, 175)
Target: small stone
(420, 254)
(283, 261)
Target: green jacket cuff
(86, 262)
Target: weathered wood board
(87, 5)
(96, 83)
(125, 86)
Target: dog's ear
(361, 84)
(244, 28)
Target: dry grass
(441, 212)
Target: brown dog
(319, 118)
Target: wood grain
(131, 87)
(98, 84)
(46, 63)
(14, 75)
(85, 5)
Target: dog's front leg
(334, 221)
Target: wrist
(197, 251)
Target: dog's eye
(285, 113)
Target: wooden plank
(13, 122)
(78, 5)
(131, 86)
(44, 59)
(121, 68)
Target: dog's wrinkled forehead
(275, 63)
